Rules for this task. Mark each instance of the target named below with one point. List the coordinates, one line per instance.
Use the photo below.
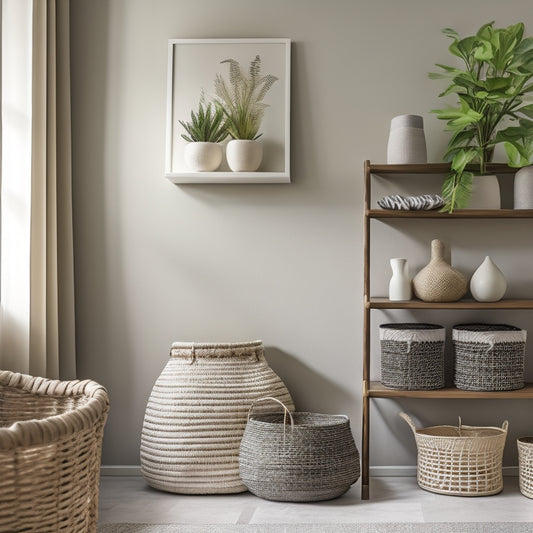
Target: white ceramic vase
(523, 188)
(488, 283)
(485, 193)
(203, 156)
(407, 143)
(400, 284)
(244, 155)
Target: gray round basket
(489, 357)
(412, 356)
(311, 459)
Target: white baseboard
(120, 470)
(375, 471)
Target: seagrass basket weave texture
(460, 461)
(489, 357)
(525, 465)
(412, 356)
(197, 412)
(50, 448)
(312, 459)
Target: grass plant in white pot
(205, 131)
(241, 101)
(491, 89)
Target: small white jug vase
(488, 283)
(400, 284)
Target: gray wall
(156, 262)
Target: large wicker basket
(525, 465)
(197, 412)
(412, 356)
(50, 447)
(312, 459)
(489, 357)
(461, 461)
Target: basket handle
(285, 409)
(505, 425)
(407, 418)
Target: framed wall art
(238, 91)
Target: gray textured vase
(523, 188)
(407, 143)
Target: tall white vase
(523, 188)
(407, 143)
(488, 283)
(400, 284)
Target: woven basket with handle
(50, 446)
(313, 458)
(462, 460)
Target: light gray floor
(393, 499)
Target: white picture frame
(192, 68)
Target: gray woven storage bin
(412, 356)
(489, 357)
(311, 459)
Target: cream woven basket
(460, 461)
(50, 447)
(197, 412)
(525, 465)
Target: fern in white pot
(241, 101)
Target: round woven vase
(197, 412)
(438, 281)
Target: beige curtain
(37, 281)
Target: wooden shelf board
(457, 214)
(377, 390)
(436, 168)
(385, 303)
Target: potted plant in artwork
(204, 132)
(490, 90)
(241, 101)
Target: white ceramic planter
(407, 142)
(244, 155)
(523, 188)
(485, 193)
(203, 156)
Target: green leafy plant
(242, 98)
(498, 64)
(206, 125)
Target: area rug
(392, 527)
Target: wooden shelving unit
(373, 389)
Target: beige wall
(156, 262)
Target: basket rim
(498, 432)
(336, 419)
(411, 325)
(479, 327)
(187, 345)
(52, 428)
